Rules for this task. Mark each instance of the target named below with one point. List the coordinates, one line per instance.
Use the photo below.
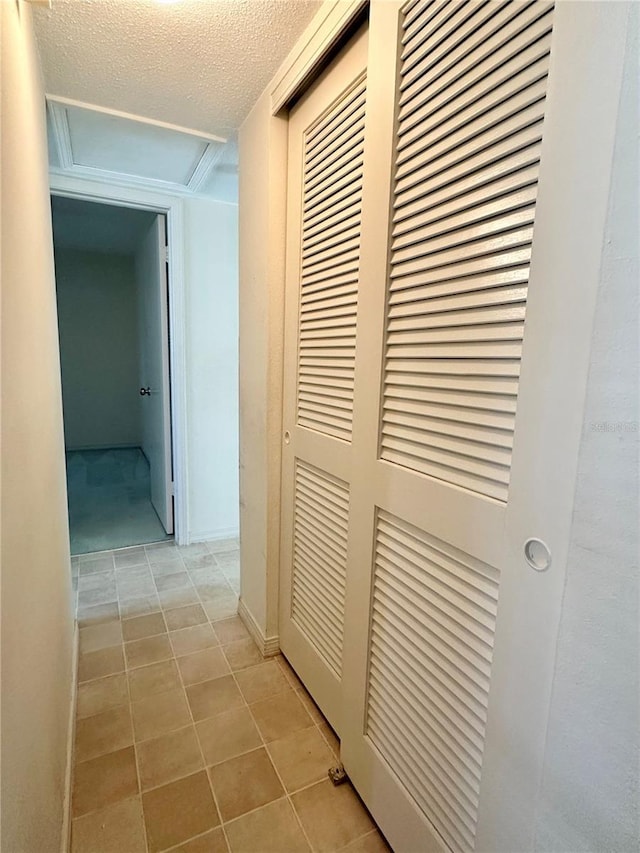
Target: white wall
(97, 317)
(37, 624)
(263, 145)
(211, 274)
(590, 790)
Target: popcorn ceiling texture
(198, 63)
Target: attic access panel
(106, 144)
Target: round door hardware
(145, 392)
(287, 437)
(537, 554)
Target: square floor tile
(96, 637)
(213, 589)
(222, 546)
(242, 654)
(130, 557)
(330, 737)
(222, 609)
(213, 697)
(203, 666)
(314, 712)
(331, 816)
(193, 639)
(211, 842)
(176, 580)
(230, 630)
(131, 588)
(272, 829)
(301, 758)
(98, 664)
(169, 757)
(92, 597)
(149, 650)
(261, 681)
(139, 606)
(176, 812)
(289, 672)
(102, 694)
(193, 550)
(90, 563)
(98, 580)
(119, 828)
(167, 566)
(155, 678)
(200, 561)
(371, 843)
(97, 614)
(140, 627)
(174, 598)
(245, 783)
(161, 713)
(106, 732)
(102, 781)
(280, 716)
(227, 735)
(185, 617)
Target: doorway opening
(113, 318)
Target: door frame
(173, 208)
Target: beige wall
(590, 792)
(36, 596)
(263, 144)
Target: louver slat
(473, 80)
(431, 648)
(321, 518)
(330, 258)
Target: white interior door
(153, 324)
(326, 137)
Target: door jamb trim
(173, 208)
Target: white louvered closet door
(455, 119)
(326, 140)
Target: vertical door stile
(326, 129)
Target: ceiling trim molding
(61, 133)
(119, 179)
(205, 165)
(81, 105)
(325, 29)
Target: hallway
(186, 740)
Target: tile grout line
(204, 763)
(135, 754)
(266, 749)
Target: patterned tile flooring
(186, 739)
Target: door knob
(145, 392)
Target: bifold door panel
(326, 149)
(413, 201)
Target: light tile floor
(186, 739)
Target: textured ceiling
(200, 64)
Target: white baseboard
(269, 646)
(65, 841)
(210, 535)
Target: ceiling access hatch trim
(118, 147)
